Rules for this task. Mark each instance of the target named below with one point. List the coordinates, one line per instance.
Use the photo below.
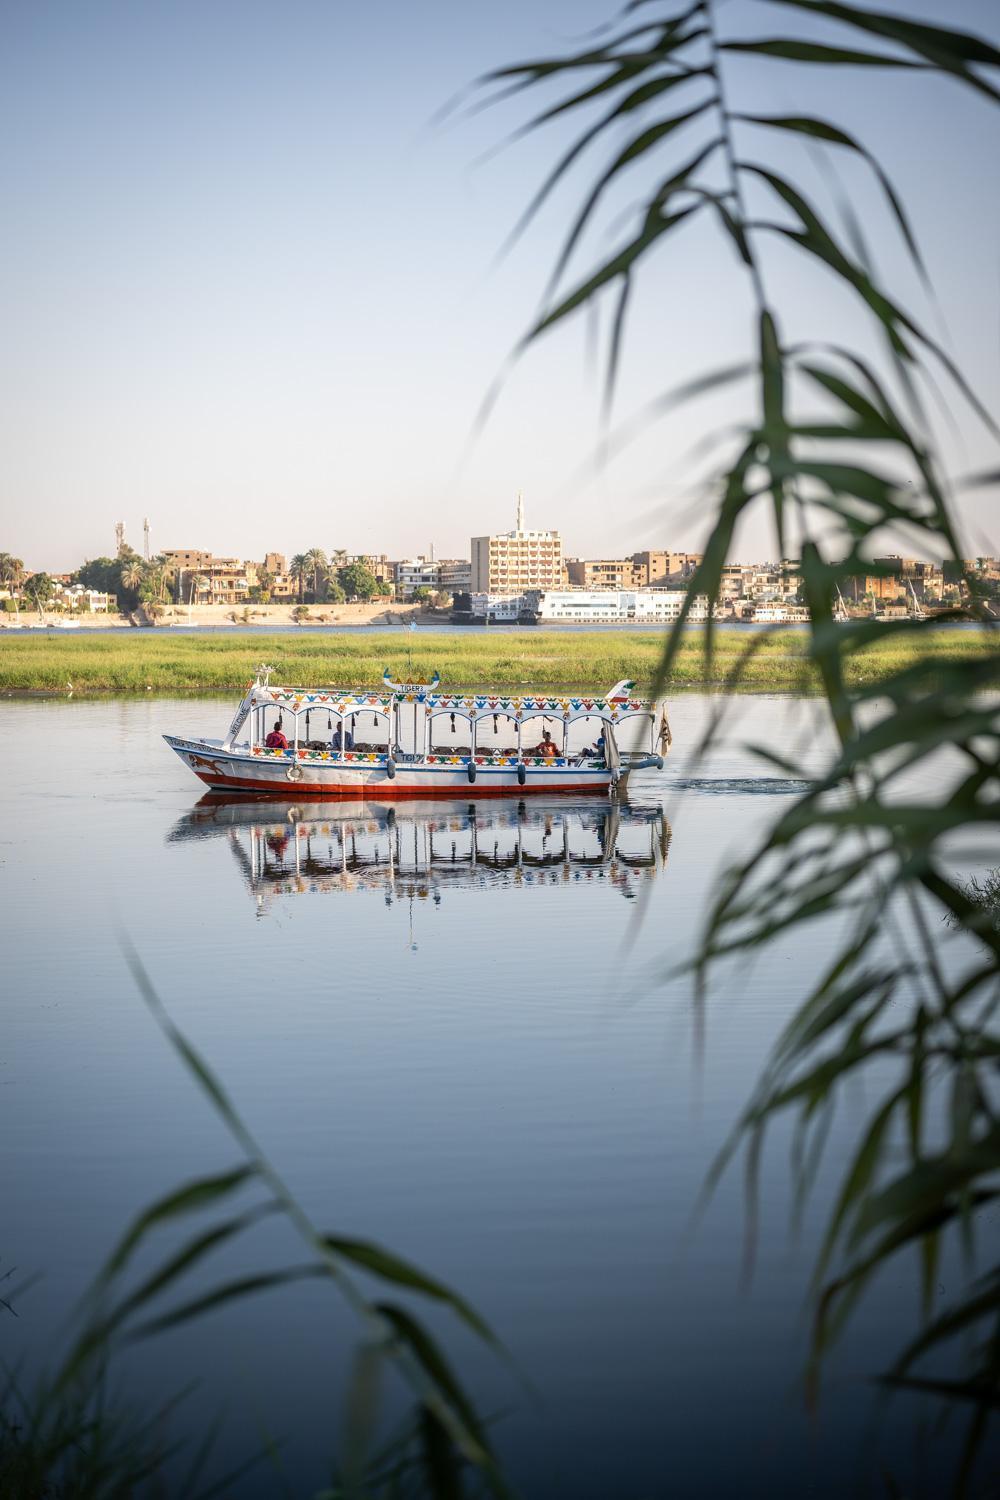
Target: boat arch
(452, 743)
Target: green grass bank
(171, 663)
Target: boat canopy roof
(567, 706)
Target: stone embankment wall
(221, 615)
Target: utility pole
(145, 537)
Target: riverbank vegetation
(750, 661)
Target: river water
(450, 1030)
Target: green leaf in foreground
(390, 1267)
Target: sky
(250, 286)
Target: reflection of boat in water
(410, 741)
(314, 848)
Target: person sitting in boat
(546, 746)
(596, 750)
(277, 740)
(341, 739)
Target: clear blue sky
(248, 290)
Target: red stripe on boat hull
(384, 791)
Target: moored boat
(408, 740)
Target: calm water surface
(449, 1031)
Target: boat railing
(303, 752)
(314, 751)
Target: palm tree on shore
(161, 576)
(298, 569)
(132, 573)
(317, 563)
(11, 571)
(151, 589)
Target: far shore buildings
(203, 578)
(524, 575)
(66, 595)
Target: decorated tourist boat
(408, 739)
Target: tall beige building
(516, 560)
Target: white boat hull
(323, 774)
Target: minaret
(520, 511)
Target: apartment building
(658, 569)
(879, 587)
(272, 576)
(602, 573)
(731, 581)
(790, 572)
(763, 582)
(757, 582)
(454, 575)
(207, 579)
(282, 589)
(227, 581)
(516, 560)
(187, 559)
(415, 573)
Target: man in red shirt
(276, 739)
